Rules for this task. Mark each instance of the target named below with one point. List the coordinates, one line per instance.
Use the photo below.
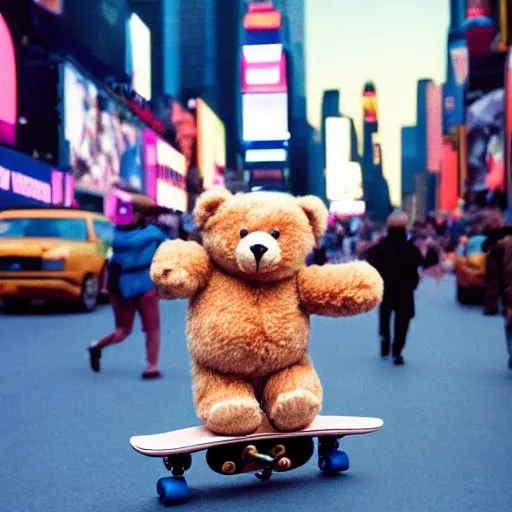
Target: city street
(446, 443)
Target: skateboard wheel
(333, 461)
(229, 467)
(172, 490)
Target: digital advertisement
(263, 68)
(265, 117)
(140, 44)
(434, 126)
(211, 146)
(166, 170)
(105, 140)
(26, 182)
(8, 86)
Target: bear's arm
(340, 290)
(180, 269)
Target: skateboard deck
(196, 439)
(264, 452)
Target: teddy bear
(250, 300)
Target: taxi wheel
(90, 294)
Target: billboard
(140, 42)
(27, 182)
(8, 86)
(343, 178)
(369, 104)
(104, 138)
(508, 126)
(265, 117)
(453, 90)
(449, 186)
(166, 170)
(263, 68)
(434, 126)
(211, 145)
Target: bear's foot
(234, 417)
(294, 410)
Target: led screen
(211, 146)
(104, 140)
(434, 126)
(263, 68)
(8, 86)
(140, 36)
(27, 182)
(165, 173)
(265, 117)
(337, 153)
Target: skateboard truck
(274, 462)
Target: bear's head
(261, 236)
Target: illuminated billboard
(166, 170)
(263, 68)
(434, 126)
(211, 145)
(508, 125)
(262, 16)
(343, 178)
(265, 117)
(27, 182)
(369, 103)
(140, 36)
(104, 139)
(337, 142)
(8, 86)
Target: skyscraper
(376, 190)
(409, 165)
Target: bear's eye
(275, 233)
(243, 233)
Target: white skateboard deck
(196, 439)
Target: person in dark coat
(397, 260)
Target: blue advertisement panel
(26, 182)
(453, 91)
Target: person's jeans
(508, 337)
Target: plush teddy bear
(250, 300)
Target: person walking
(505, 246)
(397, 260)
(130, 287)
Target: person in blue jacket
(130, 287)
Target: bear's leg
(293, 396)
(226, 405)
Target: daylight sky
(393, 43)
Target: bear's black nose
(258, 250)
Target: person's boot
(384, 347)
(94, 356)
(398, 360)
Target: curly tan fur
(248, 320)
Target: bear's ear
(317, 214)
(208, 203)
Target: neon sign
(22, 185)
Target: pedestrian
(397, 260)
(130, 287)
(495, 230)
(505, 246)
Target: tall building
(163, 20)
(409, 162)
(209, 34)
(293, 39)
(376, 190)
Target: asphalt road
(446, 444)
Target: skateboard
(264, 452)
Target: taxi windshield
(68, 229)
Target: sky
(392, 43)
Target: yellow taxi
(470, 269)
(54, 254)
